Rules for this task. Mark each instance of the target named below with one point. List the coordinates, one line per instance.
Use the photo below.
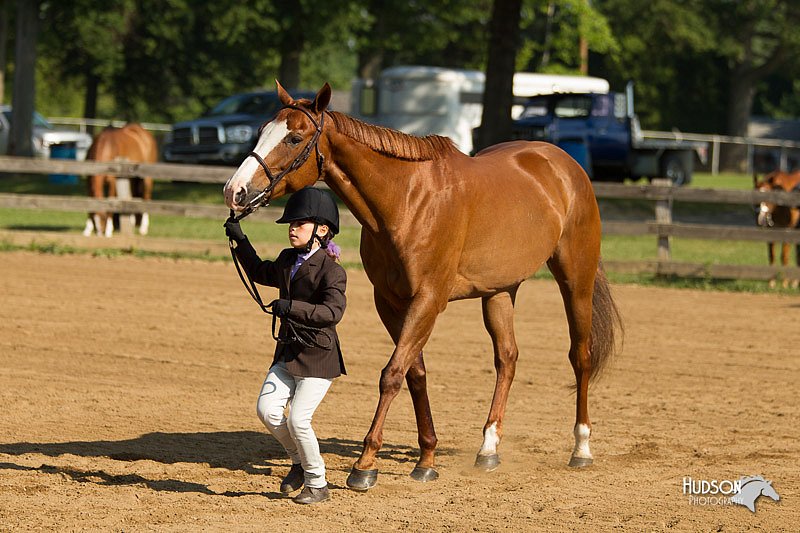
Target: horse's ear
(284, 97)
(322, 99)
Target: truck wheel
(673, 169)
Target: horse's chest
(387, 272)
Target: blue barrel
(578, 149)
(63, 151)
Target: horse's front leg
(416, 328)
(418, 387)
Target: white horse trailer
(433, 100)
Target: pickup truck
(227, 132)
(603, 134)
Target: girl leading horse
(437, 226)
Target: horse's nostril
(238, 198)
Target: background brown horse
(438, 226)
(779, 216)
(131, 143)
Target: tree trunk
(370, 61)
(24, 76)
(291, 49)
(742, 91)
(90, 99)
(3, 48)
(498, 95)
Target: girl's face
(300, 233)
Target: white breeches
(294, 432)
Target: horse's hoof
(488, 463)
(580, 462)
(423, 474)
(362, 480)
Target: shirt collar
(305, 256)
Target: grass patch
(723, 180)
(644, 248)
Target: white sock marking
(145, 226)
(490, 441)
(582, 433)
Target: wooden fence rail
(660, 192)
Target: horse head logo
(752, 487)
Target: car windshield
(247, 104)
(535, 107)
(38, 120)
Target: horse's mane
(392, 142)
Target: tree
(667, 48)
(756, 38)
(448, 34)
(558, 34)
(3, 42)
(498, 94)
(24, 69)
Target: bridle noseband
(264, 197)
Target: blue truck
(603, 134)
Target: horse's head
(766, 209)
(286, 157)
(769, 491)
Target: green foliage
(551, 32)
(165, 60)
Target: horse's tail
(608, 330)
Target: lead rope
(305, 335)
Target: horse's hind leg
(498, 317)
(576, 282)
(142, 188)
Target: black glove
(281, 307)
(233, 230)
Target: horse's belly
(485, 272)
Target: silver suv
(47, 139)
(227, 133)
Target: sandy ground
(128, 392)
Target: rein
(305, 335)
(264, 197)
(297, 332)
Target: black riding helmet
(312, 204)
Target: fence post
(784, 165)
(663, 216)
(126, 222)
(715, 156)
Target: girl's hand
(233, 230)
(281, 307)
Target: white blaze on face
(273, 133)
(582, 433)
(490, 441)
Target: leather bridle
(264, 196)
(295, 331)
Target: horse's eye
(293, 140)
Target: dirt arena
(128, 391)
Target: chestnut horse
(779, 216)
(130, 143)
(437, 226)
